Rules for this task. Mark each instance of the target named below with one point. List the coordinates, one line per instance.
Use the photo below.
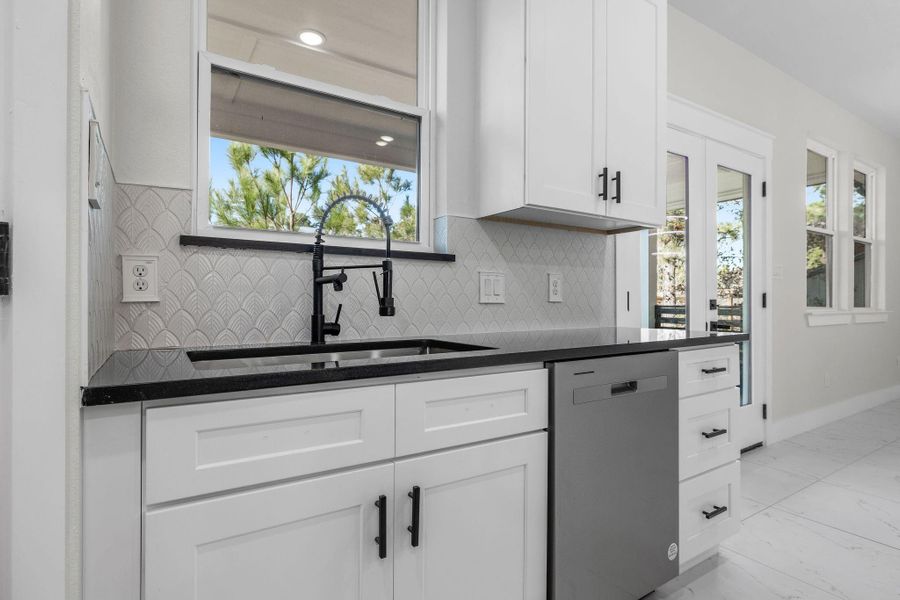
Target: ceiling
(370, 46)
(846, 51)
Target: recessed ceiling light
(381, 143)
(311, 37)
(387, 138)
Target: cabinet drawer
(449, 412)
(203, 448)
(706, 432)
(703, 522)
(708, 370)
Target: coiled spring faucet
(319, 327)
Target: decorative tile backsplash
(211, 296)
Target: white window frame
(206, 60)
(830, 228)
(875, 237)
(839, 224)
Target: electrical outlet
(491, 287)
(554, 287)
(139, 278)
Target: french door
(706, 266)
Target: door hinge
(764, 188)
(5, 267)
(765, 299)
(765, 411)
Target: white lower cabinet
(482, 528)
(482, 523)
(309, 539)
(709, 508)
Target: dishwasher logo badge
(673, 551)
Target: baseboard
(782, 429)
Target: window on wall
(819, 229)
(863, 242)
(301, 103)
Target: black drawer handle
(618, 180)
(715, 513)
(714, 370)
(413, 529)
(626, 387)
(714, 433)
(381, 540)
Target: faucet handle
(337, 317)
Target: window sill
(266, 245)
(825, 318)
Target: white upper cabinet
(571, 111)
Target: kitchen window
(820, 230)
(844, 239)
(863, 242)
(301, 103)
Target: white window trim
(205, 61)
(842, 311)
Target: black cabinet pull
(603, 177)
(381, 540)
(715, 370)
(413, 529)
(714, 433)
(626, 387)
(715, 513)
(618, 180)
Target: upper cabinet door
(635, 108)
(308, 539)
(560, 128)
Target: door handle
(718, 510)
(618, 180)
(626, 387)
(714, 433)
(603, 177)
(381, 540)
(413, 529)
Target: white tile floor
(821, 519)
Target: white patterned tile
(767, 485)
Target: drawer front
(449, 412)
(706, 435)
(203, 448)
(708, 370)
(703, 522)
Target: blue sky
(220, 172)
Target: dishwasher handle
(618, 389)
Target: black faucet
(319, 328)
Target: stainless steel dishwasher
(613, 477)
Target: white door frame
(694, 120)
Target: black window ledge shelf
(239, 244)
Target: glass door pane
(733, 261)
(667, 253)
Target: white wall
(37, 165)
(150, 136)
(812, 367)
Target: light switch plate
(491, 287)
(140, 282)
(554, 287)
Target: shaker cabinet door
(307, 539)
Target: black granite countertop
(138, 375)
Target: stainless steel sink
(326, 355)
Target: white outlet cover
(554, 287)
(135, 288)
(491, 287)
